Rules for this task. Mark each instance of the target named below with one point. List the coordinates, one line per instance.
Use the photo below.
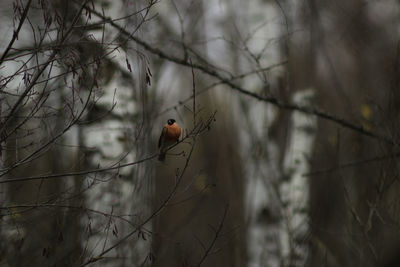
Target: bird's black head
(170, 121)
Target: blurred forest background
(290, 145)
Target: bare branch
(216, 235)
(33, 81)
(180, 174)
(269, 99)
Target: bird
(169, 135)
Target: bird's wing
(163, 134)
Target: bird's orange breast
(173, 132)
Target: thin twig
(16, 32)
(194, 94)
(80, 173)
(216, 235)
(352, 164)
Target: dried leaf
(128, 65)
(366, 111)
(151, 256)
(148, 82)
(115, 230)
